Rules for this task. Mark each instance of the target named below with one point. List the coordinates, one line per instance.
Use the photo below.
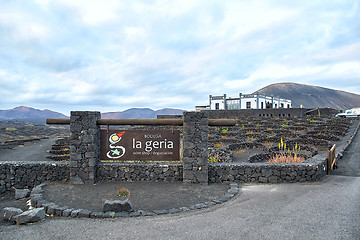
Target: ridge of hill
(312, 96)
(141, 113)
(32, 115)
(29, 114)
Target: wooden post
(331, 159)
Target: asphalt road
(349, 165)
(326, 210)
(29, 151)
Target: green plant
(224, 130)
(286, 155)
(286, 158)
(10, 129)
(123, 192)
(213, 159)
(312, 120)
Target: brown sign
(139, 145)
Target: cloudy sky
(103, 55)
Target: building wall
(251, 101)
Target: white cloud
(97, 54)
(94, 12)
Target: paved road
(30, 151)
(326, 210)
(349, 165)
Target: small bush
(123, 192)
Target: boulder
(30, 216)
(22, 193)
(11, 212)
(118, 206)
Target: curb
(51, 208)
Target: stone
(134, 214)
(38, 189)
(67, 212)
(233, 190)
(59, 211)
(146, 213)
(96, 215)
(31, 216)
(51, 210)
(210, 203)
(200, 206)
(11, 212)
(160, 212)
(174, 210)
(122, 214)
(109, 214)
(74, 213)
(118, 206)
(84, 213)
(22, 193)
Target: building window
(281, 105)
(248, 105)
(288, 106)
(262, 105)
(217, 106)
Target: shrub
(123, 192)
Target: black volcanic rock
(312, 96)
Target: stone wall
(195, 154)
(129, 172)
(274, 112)
(311, 171)
(30, 174)
(84, 146)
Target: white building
(248, 101)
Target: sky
(111, 55)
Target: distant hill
(312, 96)
(141, 113)
(28, 114)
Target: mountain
(312, 96)
(28, 114)
(141, 113)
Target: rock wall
(268, 173)
(30, 174)
(140, 172)
(195, 154)
(275, 112)
(84, 146)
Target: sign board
(139, 145)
